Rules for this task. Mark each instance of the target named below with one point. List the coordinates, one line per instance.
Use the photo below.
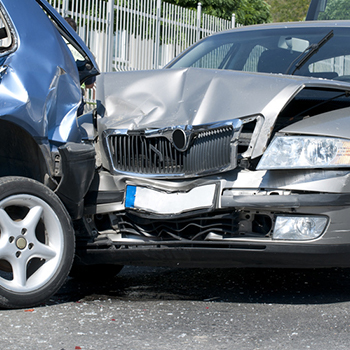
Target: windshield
(274, 51)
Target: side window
(337, 66)
(251, 64)
(76, 54)
(214, 59)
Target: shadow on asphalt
(276, 286)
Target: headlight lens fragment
(300, 152)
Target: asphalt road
(167, 308)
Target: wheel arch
(20, 154)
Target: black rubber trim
(78, 168)
(103, 197)
(275, 255)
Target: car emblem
(180, 139)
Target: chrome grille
(209, 151)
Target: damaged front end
(183, 181)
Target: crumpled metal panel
(185, 96)
(39, 88)
(333, 124)
(191, 96)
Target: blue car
(41, 149)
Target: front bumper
(235, 227)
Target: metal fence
(137, 34)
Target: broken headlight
(300, 152)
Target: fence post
(65, 8)
(233, 21)
(157, 39)
(110, 36)
(199, 16)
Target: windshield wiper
(311, 50)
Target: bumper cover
(216, 256)
(290, 201)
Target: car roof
(283, 25)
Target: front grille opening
(210, 151)
(136, 153)
(204, 227)
(246, 136)
(190, 228)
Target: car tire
(37, 243)
(97, 273)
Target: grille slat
(208, 152)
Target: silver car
(236, 154)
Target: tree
(336, 9)
(246, 11)
(288, 10)
(254, 12)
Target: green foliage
(336, 9)
(246, 11)
(288, 10)
(254, 12)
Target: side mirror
(86, 70)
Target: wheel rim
(31, 243)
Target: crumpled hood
(187, 96)
(192, 96)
